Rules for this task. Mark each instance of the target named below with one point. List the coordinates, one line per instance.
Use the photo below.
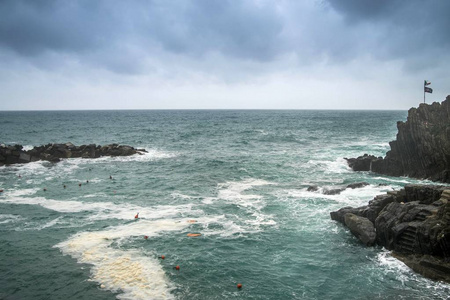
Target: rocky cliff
(54, 152)
(413, 222)
(421, 149)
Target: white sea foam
(337, 166)
(392, 265)
(7, 218)
(221, 225)
(103, 210)
(133, 274)
(352, 197)
(181, 196)
(27, 147)
(234, 192)
(49, 224)
(20, 192)
(150, 155)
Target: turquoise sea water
(240, 175)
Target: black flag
(428, 90)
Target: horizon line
(201, 109)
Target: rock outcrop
(54, 152)
(421, 149)
(337, 189)
(414, 222)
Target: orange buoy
(145, 236)
(193, 234)
(239, 286)
(177, 268)
(192, 221)
(136, 216)
(162, 257)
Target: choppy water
(241, 175)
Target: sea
(236, 179)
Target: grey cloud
(123, 36)
(405, 29)
(186, 27)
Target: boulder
(361, 227)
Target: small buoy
(136, 216)
(177, 268)
(79, 184)
(20, 176)
(192, 221)
(193, 234)
(145, 236)
(239, 286)
(102, 286)
(1, 191)
(64, 186)
(402, 202)
(45, 189)
(162, 257)
(110, 177)
(87, 181)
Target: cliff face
(421, 149)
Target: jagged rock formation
(421, 149)
(54, 152)
(413, 222)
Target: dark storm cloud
(122, 36)
(31, 27)
(92, 30)
(417, 31)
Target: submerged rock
(338, 190)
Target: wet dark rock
(362, 163)
(421, 148)
(357, 185)
(414, 222)
(312, 188)
(55, 152)
(361, 227)
(429, 266)
(335, 191)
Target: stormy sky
(221, 54)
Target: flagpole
(424, 83)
